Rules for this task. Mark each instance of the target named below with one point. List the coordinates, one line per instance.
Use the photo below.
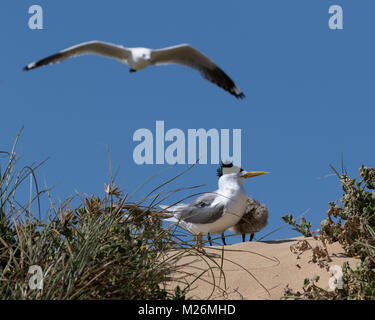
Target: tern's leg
(223, 239)
(209, 239)
(132, 70)
(251, 237)
(243, 237)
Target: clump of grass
(94, 251)
(353, 226)
(102, 248)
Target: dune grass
(104, 247)
(98, 249)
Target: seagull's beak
(250, 174)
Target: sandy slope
(272, 263)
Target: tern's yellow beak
(250, 174)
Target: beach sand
(272, 263)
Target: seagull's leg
(243, 237)
(132, 70)
(251, 237)
(223, 239)
(209, 239)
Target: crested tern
(140, 58)
(214, 212)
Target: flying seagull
(254, 219)
(140, 58)
(214, 212)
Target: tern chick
(254, 219)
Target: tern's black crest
(227, 167)
(226, 164)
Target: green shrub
(352, 225)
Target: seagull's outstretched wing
(202, 210)
(93, 47)
(187, 55)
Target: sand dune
(272, 263)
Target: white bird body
(140, 58)
(214, 212)
(231, 196)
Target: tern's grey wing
(187, 55)
(204, 200)
(202, 210)
(93, 47)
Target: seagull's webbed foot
(223, 239)
(251, 237)
(132, 70)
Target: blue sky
(309, 94)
